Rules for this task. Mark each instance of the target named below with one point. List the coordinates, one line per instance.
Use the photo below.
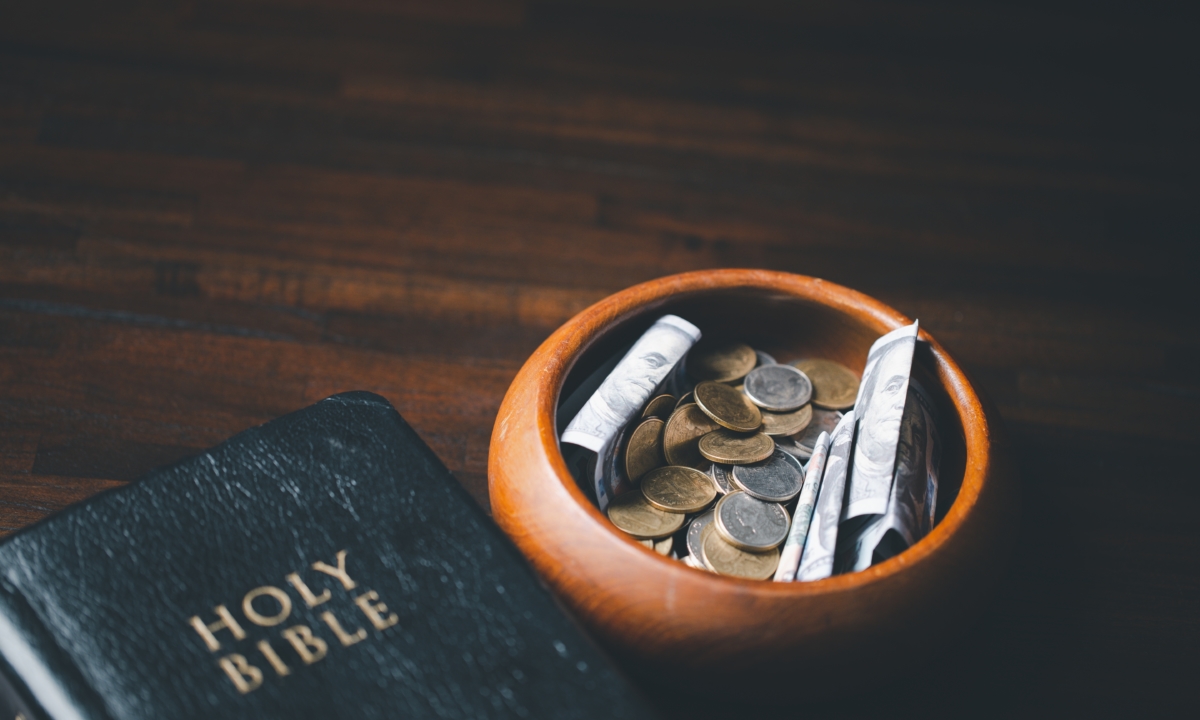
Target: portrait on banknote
(879, 409)
(884, 394)
(632, 382)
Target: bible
(322, 565)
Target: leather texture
(102, 594)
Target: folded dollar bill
(819, 547)
(909, 513)
(879, 410)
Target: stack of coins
(717, 470)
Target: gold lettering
(268, 652)
(339, 572)
(285, 606)
(336, 627)
(309, 648)
(309, 599)
(225, 623)
(246, 678)
(375, 610)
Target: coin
(723, 558)
(779, 478)
(835, 386)
(749, 523)
(681, 436)
(782, 424)
(694, 530)
(729, 407)
(720, 475)
(660, 407)
(723, 446)
(678, 489)
(704, 533)
(644, 452)
(801, 444)
(662, 547)
(632, 514)
(779, 388)
(737, 434)
(725, 362)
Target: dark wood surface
(213, 213)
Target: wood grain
(213, 212)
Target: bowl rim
(569, 342)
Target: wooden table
(216, 212)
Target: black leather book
(324, 565)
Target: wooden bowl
(701, 632)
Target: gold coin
(789, 423)
(835, 386)
(682, 434)
(723, 558)
(678, 489)
(660, 407)
(632, 514)
(723, 363)
(728, 407)
(723, 446)
(644, 451)
(688, 397)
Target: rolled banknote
(627, 388)
(789, 558)
(622, 395)
(879, 409)
(910, 508)
(609, 473)
(581, 462)
(570, 407)
(816, 562)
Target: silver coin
(749, 523)
(720, 475)
(764, 359)
(693, 534)
(800, 445)
(780, 388)
(779, 478)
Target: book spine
(37, 679)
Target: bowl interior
(787, 327)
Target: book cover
(323, 565)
